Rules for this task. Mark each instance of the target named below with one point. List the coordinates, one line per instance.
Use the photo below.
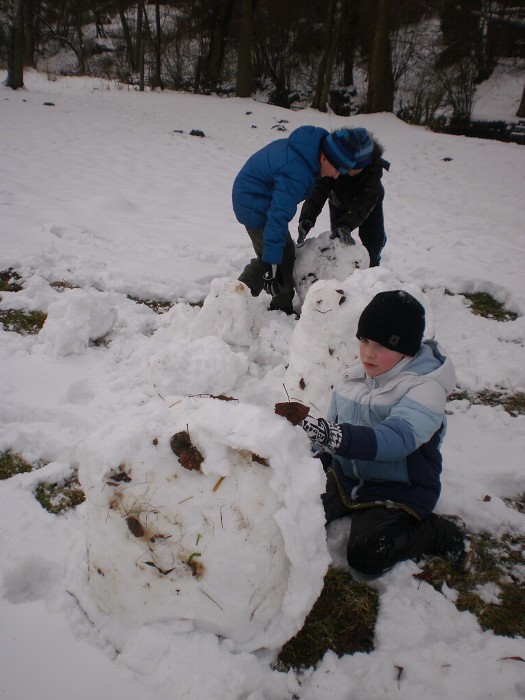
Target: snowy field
(168, 584)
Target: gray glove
(323, 433)
(304, 226)
(344, 233)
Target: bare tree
(521, 109)
(15, 46)
(244, 54)
(31, 9)
(157, 77)
(78, 14)
(275, 35)
(132, 59)
(349, 41)
(219, 23)
(380, 97)
(337, 19)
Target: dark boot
(450, 540)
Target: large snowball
(237, 548)
(322, 258)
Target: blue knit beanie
(348, 149)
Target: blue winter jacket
(273, 182)
(392, 427)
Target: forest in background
(420, 59)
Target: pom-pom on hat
(348, 149)
(395, 320)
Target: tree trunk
(140, 44)
(157, 80)
(338, 16)
(139, 38)
(380, 79)
(15, 50)
(29, 35)
(325, 73)
(244, 55)
(521, 109)
(348, 40)
(219, 26)
(127, 35)
(80, 38)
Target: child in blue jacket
(382, 441)
(268, 189)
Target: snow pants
(371, 232)
(252, 275)
(381, 537)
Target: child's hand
(272, 279)
(304, 226)
(321, 432)
(345, 234)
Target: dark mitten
(344, 234)
(304, 227)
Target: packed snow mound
(323, 258)
(224, 548)
(204, 365)
(327, 328)
(228, 312)
(79, 317)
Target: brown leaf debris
(189, 456)
(293, 411)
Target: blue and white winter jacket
(273, 182)
(393, 426)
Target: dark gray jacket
(356, 195)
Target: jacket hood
(430, 361)
(306, 141)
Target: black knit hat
(395, 320)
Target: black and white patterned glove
(323, 433)
(272, 279)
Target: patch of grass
(9, 281)
(483, 304)
(518, 503)
(159, 307)
(24, 322)
(498, 562)
(12, 463)
(60, 497)
(63, 284)
(343, 620)
(512, 402)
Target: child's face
(327, 169)
(377, 359)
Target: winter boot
(453, 542)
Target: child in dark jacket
(355, 201)
(382, 440)
(268, 189)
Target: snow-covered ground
(104, 187)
